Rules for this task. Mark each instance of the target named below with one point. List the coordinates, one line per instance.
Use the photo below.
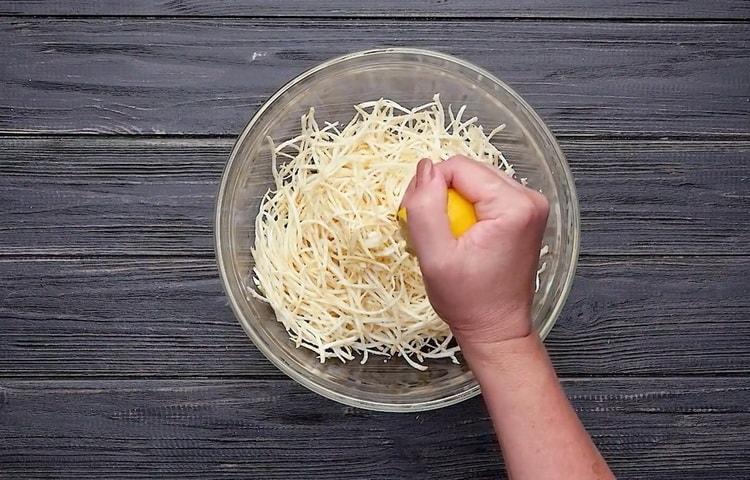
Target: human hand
(481, 283)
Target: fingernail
(433, 171)
(424, 169)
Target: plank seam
(686, 138)
(281, 377)
(394, 18)
(92, 256)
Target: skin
(481, 284)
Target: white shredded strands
(329, 256)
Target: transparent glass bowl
(410, 77)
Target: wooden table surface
(119, 355)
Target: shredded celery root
(329, 256)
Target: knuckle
(497, 189)
(526, 211)
(541, 203)
(457, 158)
(526, 206)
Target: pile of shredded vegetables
(329, 256)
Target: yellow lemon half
(461, 215)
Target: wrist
(499, 352)
(509, 359)
(489, 330)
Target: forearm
(538, 431)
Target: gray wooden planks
(94, 196)
(207, 76)
(168, 317)
(610, 9)
(673, 428)
(106, 272)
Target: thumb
(429, 228)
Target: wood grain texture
(90, 196)
(168, 317)
(195, 76)
(119, 355)
(647, 429)
(609, 9)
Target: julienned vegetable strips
(329, 257)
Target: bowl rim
(308, 382)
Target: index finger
(472, 179)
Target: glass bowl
(410, 77)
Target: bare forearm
(538, 431)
